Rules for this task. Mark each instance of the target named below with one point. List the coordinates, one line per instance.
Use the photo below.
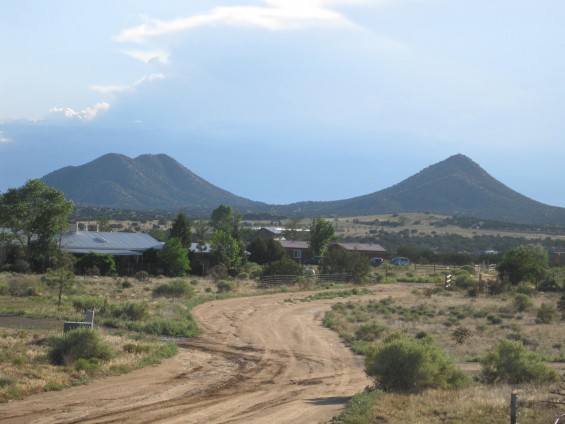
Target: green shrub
(174, 288)
(132, 310)
(80, 343)
(85, 303)
(141, 276)
(463, 280)
(370, 332)
(96, 263)
(4, 290)
(6, 381)
(225, 286)
(511, 363)
(494, 319)
(136, 348)
(285, 266)
(409, 365)
(83, 364)
(21, 266)
(522, 302)
(242, 276)
(546, 313)
(359, 409)
(184, 328)
(525, 288)
(22, 287)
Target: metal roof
(108, 242)
(109, 252)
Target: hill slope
(454, 186)
(148, 182)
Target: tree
(524, 263)
(293, 230)
(322, 233)
(61, 275)
(354, 264)
(34, 214)
(265, 251)
(227, 250)
(225, 219)
(182, 229)
(174, 257)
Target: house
(298, 250)
(128, 249)
(371, 250)
(269, 233)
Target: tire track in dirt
(259, 359)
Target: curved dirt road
(259, 360)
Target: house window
(297, 254)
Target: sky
(287, 100)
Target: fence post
(513, 408)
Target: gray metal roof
(108, 242)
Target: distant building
(269, 233)
(297, 250)
(370, 250)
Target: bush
(96, 263)
(370, 332)
(141, 276)
(22, 287)
(463, 279)
(546, 314)
(21, 266)
(510, 362)
(133, 310)
(408, 365)
(285, 266)
(85, 303)
(80, 343)
(461, 334)
(175, 288)
(225, 286)
(522, 302)
(4, 290)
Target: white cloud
(117, 89)
(149, 56)
(275, 15)
(4, 139)
(87, 114)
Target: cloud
(275, 15)
(87, 114)
(117, 89)
(149, 56)
(4, 139)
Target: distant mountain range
(455, 186)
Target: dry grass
(24, 367)
(438, 316)
(475, 405)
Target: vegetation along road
(259, 359)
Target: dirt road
(259, 360)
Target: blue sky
(287, 100)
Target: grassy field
(131, 315)
(441, 315)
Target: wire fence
(271, 281)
